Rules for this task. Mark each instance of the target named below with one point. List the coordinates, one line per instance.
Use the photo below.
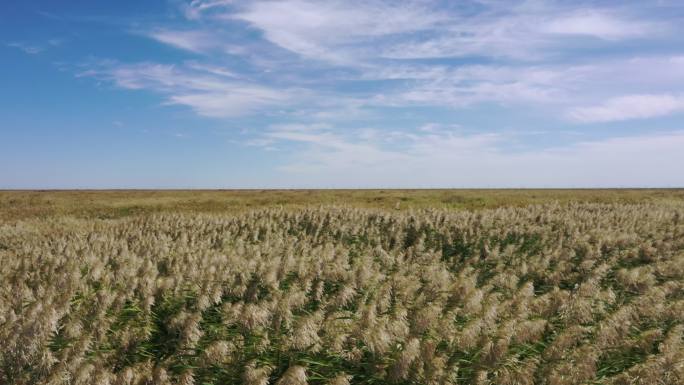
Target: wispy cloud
(333, 57)
(27, 48)
(326, 149)
(195, 8)
(192, 40)
(235, 101)
(557, 86)
(518, 32)
(629, 107)
(342, 31)
(600, 24)
(335, 30)
(468, 84)
(36, 48)
(449, 159)
(206, 90)
(517, 46)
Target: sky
(341, 94)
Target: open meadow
(342, 287)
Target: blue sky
(326, 94)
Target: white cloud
(33, 49)
(208, 91)
(326, 149)
(194, 41)
(195, 9)
(27, 48)
(629, 107)
(238, 100)
(558, 87)
(469, 84)
(521, 33)
(212, 69)
(480, 160)
(529, 55)
(332, 30)
(597, 24)
(343, 31)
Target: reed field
(338, 287)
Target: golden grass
(108, 204)
(340, 287)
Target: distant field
(333, 287)
(122, 203)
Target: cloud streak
(193, 40)
(334, 30)
(448, 159)
(629, 107)
(26, 48)
(602, 25)
(519, 53)
(208, 91)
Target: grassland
(21, 205)
(554, 287)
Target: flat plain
(295, 287)
(108, 204)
